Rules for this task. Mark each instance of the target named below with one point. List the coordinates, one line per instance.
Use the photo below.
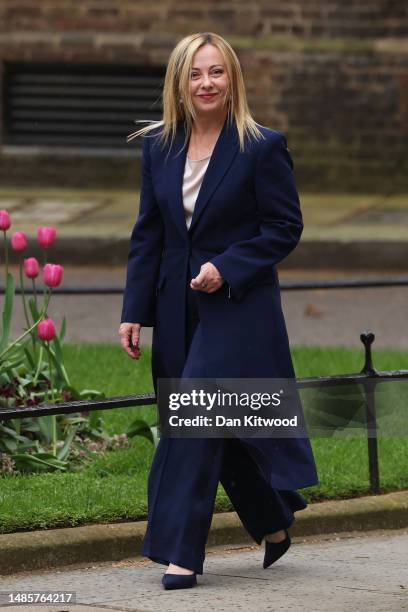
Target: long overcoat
(246, 219)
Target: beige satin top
(194, 171)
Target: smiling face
(208, 81)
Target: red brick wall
(306, 18)
(333, 75)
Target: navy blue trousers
(183, 483)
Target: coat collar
(222, 156)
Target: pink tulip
(31, 267)
(5, 220)
(46, 329)
(46, 236)
(19, 241)
(53, 274)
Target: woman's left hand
(208, 279)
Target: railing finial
(367, 338)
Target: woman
(218, 210)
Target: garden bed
(112, 486)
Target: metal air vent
(80, 106)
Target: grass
(113, 487)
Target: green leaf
(33, 308)
(60, 358)
(64, 450)
(62, 330)
(39, 461)
(30, 444)
(58, 350)
(17, 363)
(16, 423)
(46, 424)
(155, 434)
(139, 427)
(91, 393)
(29, 358)
(9, 444)
(57, 364)
(95, 418)
(75, 420)
(4, 378)
(30, 424)
(7, 311)
(8, 431)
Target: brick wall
(333, 75)
(306, 18)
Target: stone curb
(309, 254)
(46, 549)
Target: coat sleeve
(280, 221)
(146, 245)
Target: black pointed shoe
(275, 550)
(179, 581)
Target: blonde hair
(177, 102)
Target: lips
(207, 96)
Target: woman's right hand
(129, 338)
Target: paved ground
(94, 226)
(340, 573)
(319, 317)
(112, 212)
(314, 317)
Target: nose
(207, 80)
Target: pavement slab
(314, 317)
(95, 225)
(347, 572)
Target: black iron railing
(366, 377)
(340, 283)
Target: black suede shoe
(179, 581)
(274, 550)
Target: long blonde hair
(177, 102)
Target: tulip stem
(47, 297)
(62, 367)
(34, 337)
(23, 294)
(44, 256)
(54, 417)
(5, 251)
(37, 371)
(54, 434)
(34, 292)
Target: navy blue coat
(246, 219)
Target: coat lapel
(225, 149)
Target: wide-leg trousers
(184, 478)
